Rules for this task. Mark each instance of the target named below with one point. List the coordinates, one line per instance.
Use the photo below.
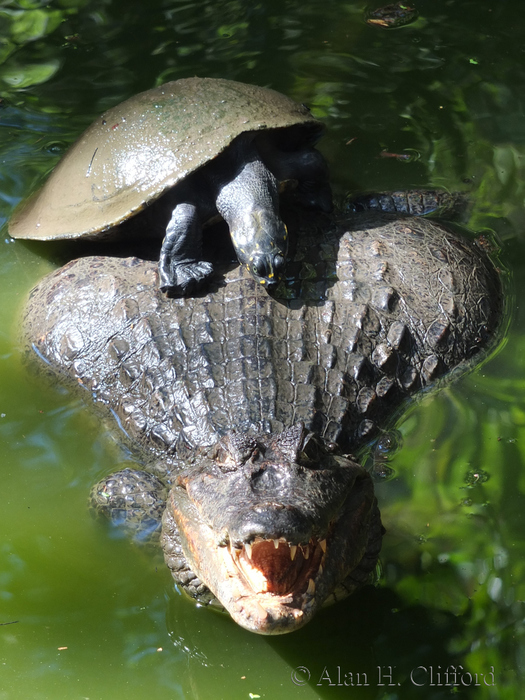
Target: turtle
(187, 152)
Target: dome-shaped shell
(139, 149)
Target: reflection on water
(96, 617)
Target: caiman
(247, 407)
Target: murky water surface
(83, 615)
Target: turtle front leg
(181, 269)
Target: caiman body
(247, 407)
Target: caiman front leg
(181, 269)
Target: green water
(94, 617)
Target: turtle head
(249, 203)
(260, 240)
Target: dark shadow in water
(372, 645)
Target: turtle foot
(185, 279)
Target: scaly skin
(247, 406)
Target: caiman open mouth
(270, 538)
(271, 586)
(268, 584)
(278, 567)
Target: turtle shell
(142, 147)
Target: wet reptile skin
(376, 309)
(378, 313)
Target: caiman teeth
(272, 565)
(234, 550)
(305, 548)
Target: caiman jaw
(271, 537)
(271, 583)
(267, 589)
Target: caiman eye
(315, 453)
(233, 451)
(224, 459)
(241, 447)
(311, 450)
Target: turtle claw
(186, 278)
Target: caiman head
(274, 526)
